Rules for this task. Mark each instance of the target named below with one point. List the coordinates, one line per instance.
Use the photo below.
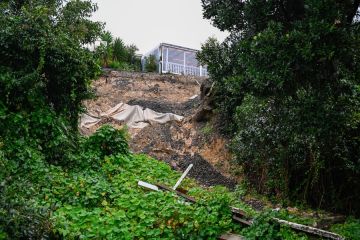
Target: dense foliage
(287, 80)
(43, 68)
(45, 73)
(98, 197)
(115, 54)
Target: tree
(150, 64)
(131, 50)
(105, 51)
(288, 78)
(45, 71)
(120, 52)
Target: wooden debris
(240, 220)
(311, 230)
(238, 211)
(230, 236)
(241, 217)
(148, 185)
(183, 176)
(186, 197)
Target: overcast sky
(147, 23)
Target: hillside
(177, 143)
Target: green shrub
(115, 54)
(108, 141)
(263, 227)
(350, 229)
(119, 209)
(150, 64)
(121, 66)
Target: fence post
(184, 63)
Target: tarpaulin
(133, 116)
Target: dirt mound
(183, 109)
(203, 171)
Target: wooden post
(183, 176)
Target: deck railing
(186, 70)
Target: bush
(108, 141)
(150, 64)
(121, 66)
(350, 229)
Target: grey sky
(146, 23)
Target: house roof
(178, 47)
(171, 46)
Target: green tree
(119, 50)
(115, 54)
(105, 51)
(131, 50)
(288, 78)
(45, 71)
(150, 64)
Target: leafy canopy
(287, 80)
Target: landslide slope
(177, 143)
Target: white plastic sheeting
(133, 116)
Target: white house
(176, 59)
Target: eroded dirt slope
(177, 143)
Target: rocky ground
(177, 143)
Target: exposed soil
(183, 109)
(178, 144)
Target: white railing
(185, 70)
(174, 68)
(204, 72)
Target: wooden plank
(183, 176)
(187, 198)
(230, 236)
(243, 221)
(238, 211)
(148, 185)
(311, 230)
